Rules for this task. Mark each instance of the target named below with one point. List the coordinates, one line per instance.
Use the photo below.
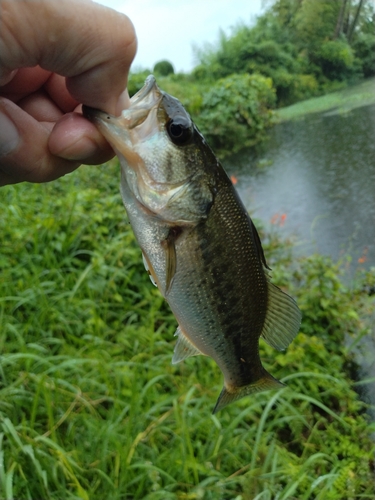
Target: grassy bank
(90, 405)
(342, 101)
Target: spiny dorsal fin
(266, 383)
(184, 348)
(283, 319)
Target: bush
(364, 48)
(336, 59)
(163, 68)
(236, 112)
(303, 87)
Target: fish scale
(199, 244)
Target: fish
(198, 242)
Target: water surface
(316, 180)
(317, 183)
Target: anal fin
(184, 348)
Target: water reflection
(320, 173)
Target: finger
(6, 76)
(75, 138)
(94, 47)
(24, 82)
(46, 154)
(55, 86)
(25, 156)
(41, 107)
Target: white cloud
(167, 29)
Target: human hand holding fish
(55, 55)
(199, 245)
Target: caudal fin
(265, 383)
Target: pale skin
(54, 56)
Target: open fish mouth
(147, 98)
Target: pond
(316, 181)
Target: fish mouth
(135, 124)
(141, 104)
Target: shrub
(364, 48)
(336, 59)
(236, 112)
(163, 68)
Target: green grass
(342, 101)
(90, 405)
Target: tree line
(296, 50)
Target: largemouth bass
(199, 245)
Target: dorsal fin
(283, 319)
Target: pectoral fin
(149, 269)
(283, 319)
(184, 348)
(170, 256)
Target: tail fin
(265, 383)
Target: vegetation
(163, 68)
(307, 47)
(295, 51)
(90, 405)
(341, 101)
(236, 112)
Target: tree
(340, 20)
(355, 20)
(164, 68)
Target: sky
(168, 29)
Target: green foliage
(307, 48)
(163, 68)
(90, 405)
(336, 59)
(364, 48)
(182, 86)
(136, 81)
(236, 112)
(188, 91)
(342, 101)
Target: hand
(43, 135)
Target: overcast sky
(167, 29)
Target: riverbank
(342, 101)
(91, 406)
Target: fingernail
(9, 136)
(7, 76)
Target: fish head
(162, 154)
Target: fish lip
(94, 114)
(149, 87)
(148, 97)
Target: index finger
(92, 45)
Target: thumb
(92, 45)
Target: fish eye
(180, 131)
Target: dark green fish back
(220, 291)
